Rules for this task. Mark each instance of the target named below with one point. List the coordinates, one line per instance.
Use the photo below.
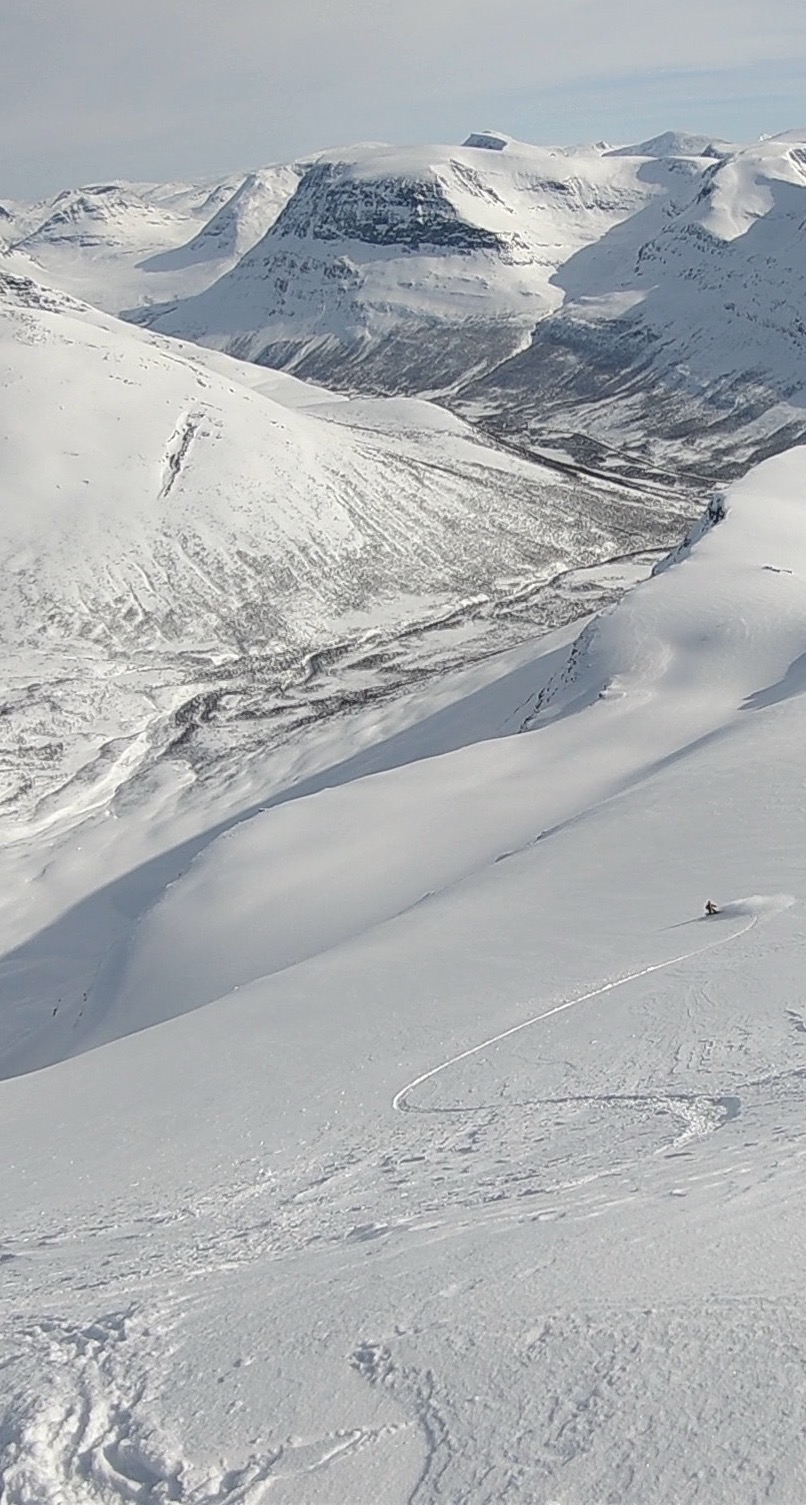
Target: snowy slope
(720, 629)
(474, 1165)
(405, 270)
(693, 332)
(204, 553)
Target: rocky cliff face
(415, 214)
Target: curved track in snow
(400, 1101)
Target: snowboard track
(400, 1101)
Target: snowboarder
(710, 907)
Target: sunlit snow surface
(468, 1164)
(119, 244)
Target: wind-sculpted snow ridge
(713, 514)
(724, 616)
(571, 1267)
(197, 551)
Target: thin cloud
(195, 86)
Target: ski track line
(399, 1102)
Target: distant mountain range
(645, 298)
(119, 243)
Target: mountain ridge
(229, 552)
(501, 279)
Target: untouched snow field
(415, 1138)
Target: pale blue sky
(95, 89)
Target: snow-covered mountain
(675, 144)
(105, 214)
(689, 329)
(642, 299)
(121, 244)
(467, 1159)
(382, 1116)
(406, 270)
(196, 548)
(591, 299)
(237, 225)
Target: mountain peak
(674, 144)
(490, 141)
